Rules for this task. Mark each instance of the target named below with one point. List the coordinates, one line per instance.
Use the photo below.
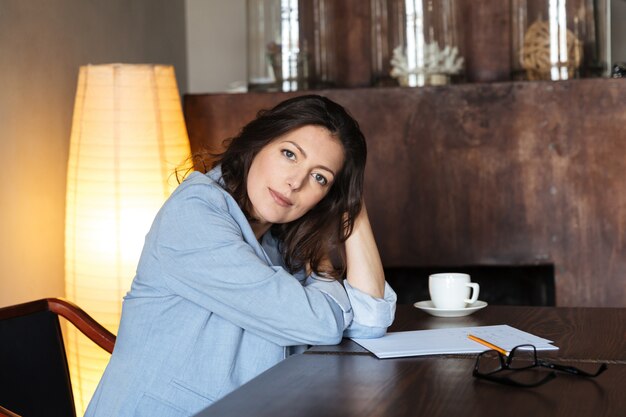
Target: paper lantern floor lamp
(128, 137)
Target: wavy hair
(319, 234)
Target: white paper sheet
(449, 341)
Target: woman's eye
(288, 154)
(320, 179)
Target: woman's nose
(295, 180)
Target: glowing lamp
(128, 137)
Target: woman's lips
(280, 199)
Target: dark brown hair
(309, 240)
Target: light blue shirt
(211, 307)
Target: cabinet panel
(483, 174)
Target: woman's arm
(198, 250)
(364, 267)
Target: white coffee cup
(451, 290)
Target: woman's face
(291, 174)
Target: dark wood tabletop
(582, 334)
(346, 380)
(362, 386)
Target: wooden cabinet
(483, 174)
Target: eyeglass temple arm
(572, 369)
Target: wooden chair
(34, 375)
(7, 413)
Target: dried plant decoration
(536, 58)
(437, 64)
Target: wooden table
(344, 380)
(582, 334)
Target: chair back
(34, 375)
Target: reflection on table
(360, 385)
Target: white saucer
(430, 308)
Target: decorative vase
(558, 39)
(290, 45)
(416, 42)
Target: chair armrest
(83, 322)
(7, 413)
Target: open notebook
(450, 341)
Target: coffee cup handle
(475, 291)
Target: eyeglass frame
(505, 364)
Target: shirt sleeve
(371, 315)
(365, 316)
(204, 258)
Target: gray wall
(42, 45)
(216, 44)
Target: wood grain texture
(486, 29)
(353, 43)
(582, 334)
(483, 174)
(335, 385)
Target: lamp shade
(128, 137)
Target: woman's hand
(364, 267)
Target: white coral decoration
(435, 61)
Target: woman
(236, 271)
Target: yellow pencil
(489, 345)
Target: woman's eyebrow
(304, 154)
(297, 146)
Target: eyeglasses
(496, 367)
